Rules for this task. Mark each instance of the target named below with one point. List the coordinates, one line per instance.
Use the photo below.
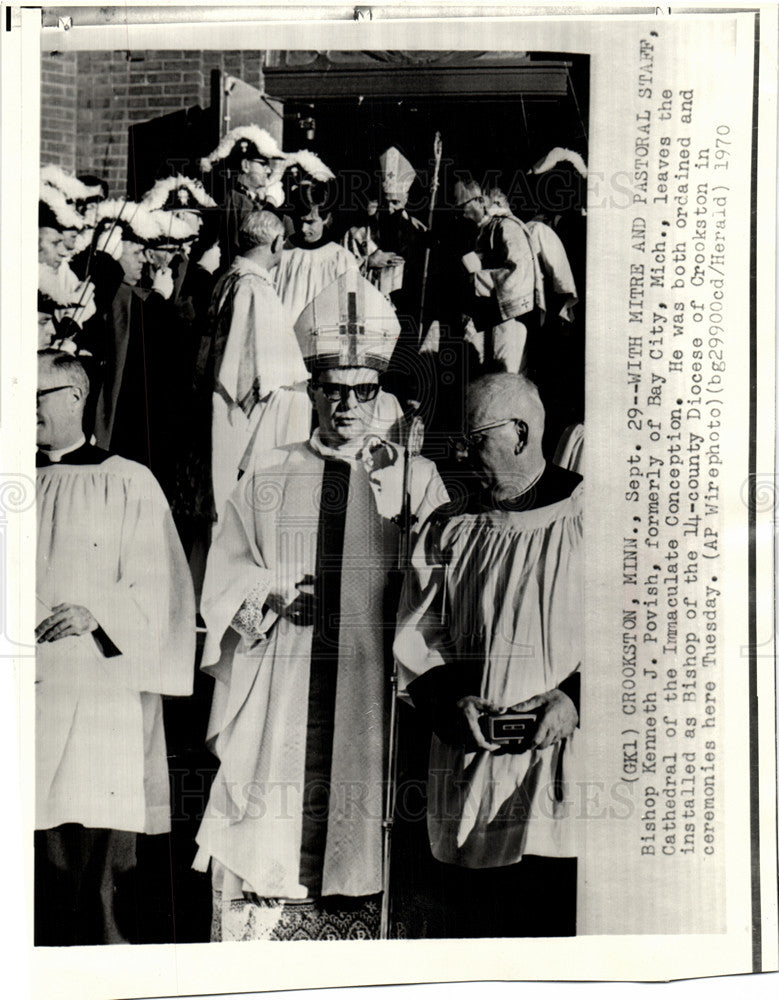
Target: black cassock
(143, 403)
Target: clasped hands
(557, 719)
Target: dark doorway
(170, 144)
(494, 139)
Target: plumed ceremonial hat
(173, 230)
(350, 324)
(465, 191)
(137, 222)
(54, 212)
(68, 185)
(311, 165)
(46, 217)
(247, 142)
(178, 192)
(397, 174)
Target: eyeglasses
(475, 438)
(364, 392)
(45, 392)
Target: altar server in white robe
(492, 623)
(116, 630)
(298, 601)
(310, 260)
(259, 393)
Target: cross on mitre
(349, 324)
(397, 174)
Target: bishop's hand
(66, 620)
(300, 606)
(383, 258)
(383, 462)
(377, 454)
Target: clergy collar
(80, 454)
(554, 484)
(348, 452)
(298, 243)
(55, 455)
(244, 265)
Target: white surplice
(106, 540)
(260, 392)
(555, 267)
(503, 589)
(302, 274)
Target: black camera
(512, 730)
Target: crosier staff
(406, 519)
(437, 153)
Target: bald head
(66, 364)
(505, 418)
(261, 237)
(260, 229)
(503, 395)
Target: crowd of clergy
(248, 428)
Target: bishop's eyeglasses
(336, 392)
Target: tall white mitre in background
(397, 174)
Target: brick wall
(245, 65)
(58, 109)
(89, 100)
(115, 91)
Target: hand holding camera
(557, 717)
(533, 724)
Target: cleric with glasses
(345, 399)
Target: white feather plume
(134, 216)
(157, 195)
(68, 184)
(264, 141)
(65, 214)
(559, 155)
(174, 228)
(59, 284)
(311, 164)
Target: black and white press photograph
(390, 566)
(310, 594)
